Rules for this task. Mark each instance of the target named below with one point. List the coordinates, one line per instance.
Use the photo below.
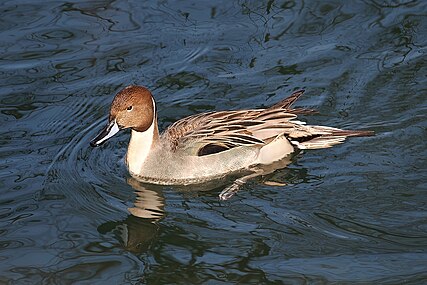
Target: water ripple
(349, 214)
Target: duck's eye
(129, 108)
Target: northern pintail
(208, 146)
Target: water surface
(355, 213)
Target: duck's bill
(110, 130)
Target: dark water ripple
(350, 214)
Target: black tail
(348, 133)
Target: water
(355, 213)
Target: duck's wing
(214, 132)
(209, 133)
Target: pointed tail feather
(316, 136)
(351, 133)
(326, 140)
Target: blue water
(352, 214)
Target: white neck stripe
(140, 146)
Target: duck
(208, 146)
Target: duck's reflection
(134, 234)
(137, 232)
(149, 202)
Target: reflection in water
(137, 231)
(133, 233)
(149, 202)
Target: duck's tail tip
(353, 133)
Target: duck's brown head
(133, 107)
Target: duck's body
(211, 145)
(167, 167)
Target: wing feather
(213, 132)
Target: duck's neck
(140, 146)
